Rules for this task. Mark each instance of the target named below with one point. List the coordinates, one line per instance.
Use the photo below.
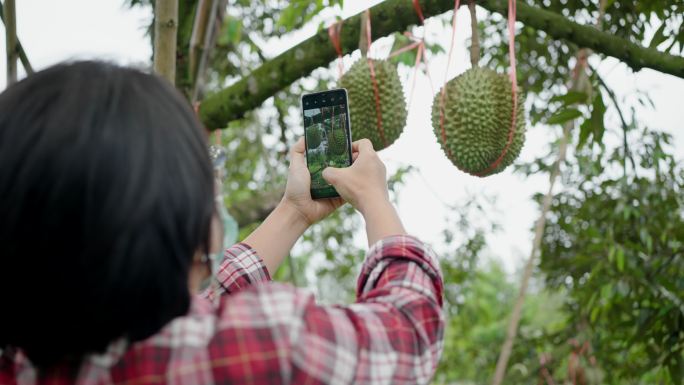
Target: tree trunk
(396, 15)
(11, 40)
(165, 37)
(187, 10)
(514, 321)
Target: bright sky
(53, 31)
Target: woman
(106, 207)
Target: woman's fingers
(297, 157)
(362, 145)
(299, 146)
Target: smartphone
(327, 134)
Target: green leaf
(584, 133)
(594, 126)
(564, 115)
(620, 259)
(232, 31)
(407, 58)
(594, 314)
(676, 368)
(659, 36)
(571, 97)
(598, 111)
(611, 253)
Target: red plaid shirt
(263, 332)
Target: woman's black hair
(105, 195)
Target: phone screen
(327, 136)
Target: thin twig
(215, 16)
(22, 53)
(625, 126)
(11, 40)
(199, 28)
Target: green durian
(478, 107)
(313, 137)
(362, 102)
(337, 142)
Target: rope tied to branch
(514, 87)
(334, 31)
(374, 80)
(457, 3)
(421, 54)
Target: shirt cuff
(399, 248)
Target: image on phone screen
(327, 140)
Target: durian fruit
(362, 103)
(337, 142)
(478, 108)
(313, 137)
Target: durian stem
(364, 44)
(475, 39)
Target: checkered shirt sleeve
(277, 334)
(241, 268)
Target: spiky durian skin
(338, 142)
(478, 108)
(313, 137)
(362, 103)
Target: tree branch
(11, 41)
(396, 15)
(22, 54)
(165, 37)
(209, 37)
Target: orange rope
(418, 43)
(457, 3)
(514, 86)
(419, 11)
(334, 33)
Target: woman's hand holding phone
(297, 190)
(364, 185)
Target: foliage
(615, 243)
